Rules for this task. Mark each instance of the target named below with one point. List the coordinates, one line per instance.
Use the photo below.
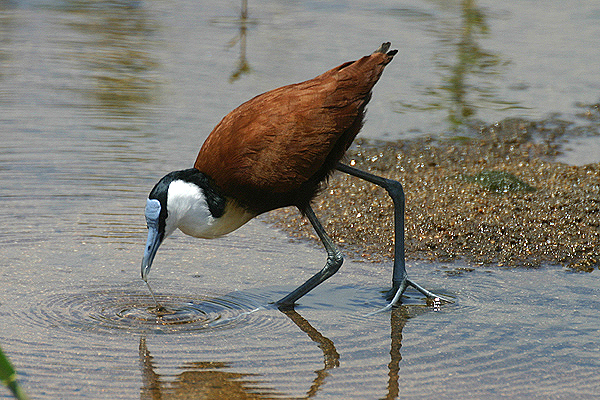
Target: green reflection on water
(469, 74)
(243, 66)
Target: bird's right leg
(333, 264)
(400, 280)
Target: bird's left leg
(333, 264)
(400, 280)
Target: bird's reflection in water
(398, 318)
(212, 380)
(330, 355)
(199, 380)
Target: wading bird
(277, 150)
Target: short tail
(384, 49)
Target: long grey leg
(396, 192)
(400, 280)
(333, 264)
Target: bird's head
(189, 201)
(157, 217)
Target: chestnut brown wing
(275, 149)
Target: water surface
(100, 99)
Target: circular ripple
(136, 312)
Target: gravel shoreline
(497, 197)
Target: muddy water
(100, 99)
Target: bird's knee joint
(394, 188)
(335, 260)
(338, 257)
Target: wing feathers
(275, 149)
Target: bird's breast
(198, 225)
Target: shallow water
(100, 99)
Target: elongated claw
(396, 296)
(427, 293)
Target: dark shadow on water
(216, 380)
(242, 24)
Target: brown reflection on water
(199, 380)
(114, 44)
(7, 24)
(212, 380)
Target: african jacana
(276, 150)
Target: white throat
(187, 209)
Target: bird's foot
(397, 291)
(394, 296)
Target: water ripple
(109, 310)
